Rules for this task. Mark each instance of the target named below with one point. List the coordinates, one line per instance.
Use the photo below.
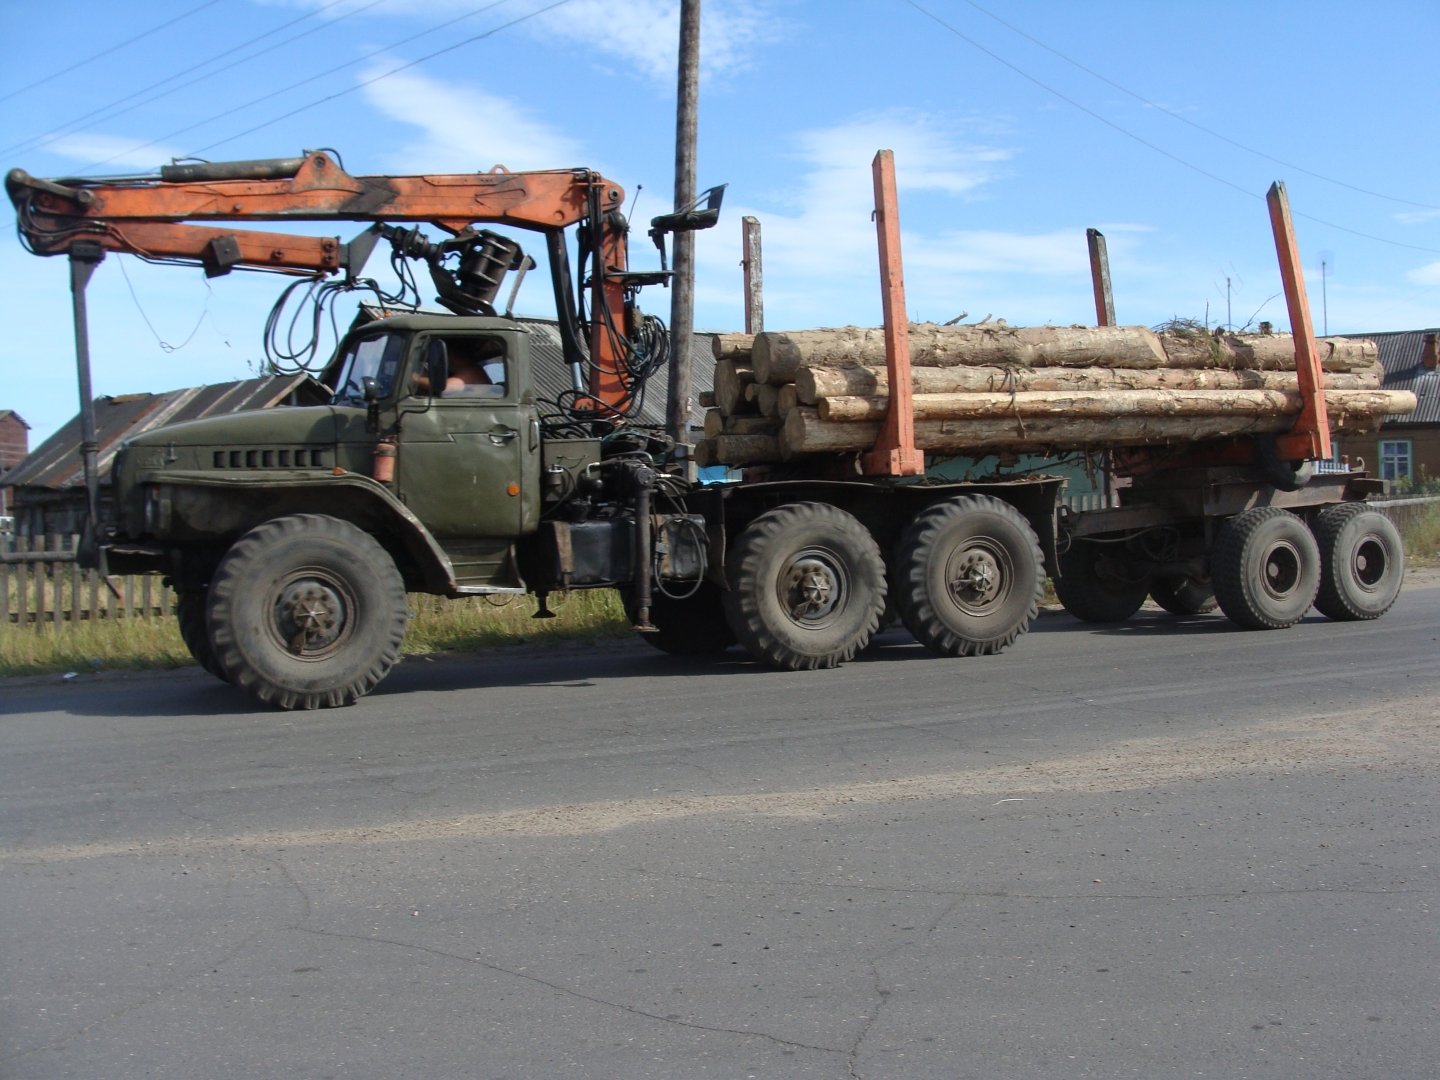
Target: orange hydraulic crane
(610, 346)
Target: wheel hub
(310, 616)
(976, 579)
(812, 587)
(1282, 570)
(1369, 564)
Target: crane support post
(1310, 436)
(894, 453)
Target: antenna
(1327, 261)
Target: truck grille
(301, 458)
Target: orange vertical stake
(1310, 437)
(894, 453)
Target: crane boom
(159, 217)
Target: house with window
(1407, 448)
(14, 445)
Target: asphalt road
(1172, 849)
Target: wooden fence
(42, 586)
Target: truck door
(468, 462)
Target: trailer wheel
(307, 611)
(1094, 587)
(967, 575)
(807, 586)
(1362, 562)
(190, 617)
(688, 626)
(1181, 594)
(1266, 568)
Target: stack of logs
(994, 388)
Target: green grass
(1422, 539)
(437, 626)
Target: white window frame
(1397, 459)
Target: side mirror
(370, 388)
(688, 219)
(437, 365)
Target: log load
(991, 388)
(777, 357)
(1356, 411)
(813, 384)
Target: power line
(393, 71)
(1197, 126)
(326, 74)
(110, 112)
(1149, 145)
(106, 52)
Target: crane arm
(167, 216)
(317, 189)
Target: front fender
(202, 508)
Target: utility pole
(682, 299)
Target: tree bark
(1112, 403)
(777, 357)
(731, 379)
(732, 347)
(717, 424)
(812, 384)
(746, 449)
(804, 432)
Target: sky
(1015, 126)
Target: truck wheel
(1180, 594)
(689, 626)
(807, 586)
(1266, 568)
(1092, 586)
(307, 611)
(1362, 562)
(190, 617)
(968, 578)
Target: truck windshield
(377, 358)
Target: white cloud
(646, 33)
(642, 34)
(102, 153)
(466, 129)
(1417, 217)
(1428, 274)
(819, 241)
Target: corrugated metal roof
(55, 464)
(1400, 356)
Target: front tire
(1266, 568)
(307, 611)
(807, 587)
(1362, 562)
(968, 578)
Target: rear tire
(307, 611)
(1091, 586)
(807, 587)
(1183, 595)
(1266, 568)
(968, 578)
(1362, 562)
